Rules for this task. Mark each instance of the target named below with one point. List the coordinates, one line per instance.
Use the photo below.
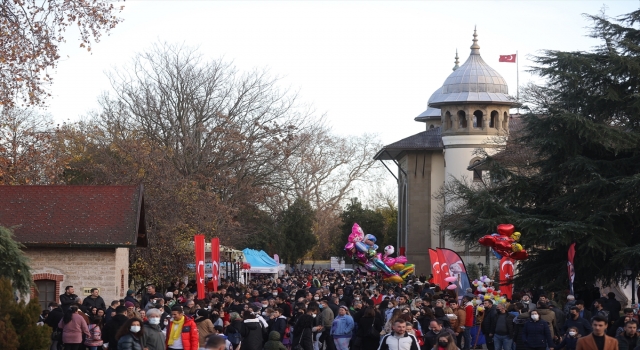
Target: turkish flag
(215, 262)
(444, 267)
(455, 268)
(570, 269)
(508, 58)
(506, 276)
(199, 242)
(435, 267)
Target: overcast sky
(369, 65)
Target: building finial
(475, 48)
(457, 62)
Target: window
(477, 119)
(505, 121)
(431, 126)
(46, 292)
(462, 119)
(447, 121)
(493, 123)
(477, 173)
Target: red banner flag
(506, 277)
(215, 262)
(571, 271)
(199, 242)
(435, 266)
(455, 268)
(508, 58)
(444, 268)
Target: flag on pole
(506, 277)
(215, 262)
(435, 267)
(199, 243)
(444, 268)
(508, 58)
(570, 269)
(455, 268)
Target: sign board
(86, 291)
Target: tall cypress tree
(573, 173)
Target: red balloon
(521, 255)
(246, 266)
(487, 241)
(506, 229)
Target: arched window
(431, 126)
(477, 119)
(493, 123)
(477, 173)
(505, 121)
(447, 121)
(462, 119)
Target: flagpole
(517, 82)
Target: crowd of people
(328, 310)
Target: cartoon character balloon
(504, 243)
(363, 249)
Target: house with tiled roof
(76, 235)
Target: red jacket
(468, 309)
(189, 334)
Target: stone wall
(83, 267)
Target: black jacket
(111, 328)
(90, 302)
(252, 338)
(54, 318)
(488, 320)
(625, 343)
(509, 323)
(67, 300)
(583, 326)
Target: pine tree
(573, 175)
(14, 265)
(18, 328)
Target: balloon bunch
(363, 249)
(485, 285)
(504, 243)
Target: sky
(368, 66)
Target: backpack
(234, 338)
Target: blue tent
(260, 261)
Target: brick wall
(81, 267)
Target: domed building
(467, 112)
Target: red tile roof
(98, 216)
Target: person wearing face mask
(152, 336)
(526, 300)
(536, 334)
(575, 321)
(445, 342)
(570, 340)
(182, 332)
(130, 335)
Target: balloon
(496, 254)
(506, 229)
(516, 236)
(451, 279)
(388, 250)
(480, 308)
(521, 255)
(487, 240)
(452, 287)
(246, 266)
(516, 247)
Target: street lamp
(629, 273)
(481, 267)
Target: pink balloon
(452, 287)
(451, 279)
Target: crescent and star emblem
(507, 262)
(437, 270)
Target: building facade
(470, 111)
(76, 235)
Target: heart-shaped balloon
(452, 287)
(506, 229)
(451, 279)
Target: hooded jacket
(188, 335)
(274, 342)
(252, 334)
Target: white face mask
(390, 306)
(535, 317)
(316, 298)
(314, 315)
(154, 320)
(573, 334)
(265, 305)
(135, 329)
(275, 294)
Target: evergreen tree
(18, 328)
(573, 175)
(296, 231)
(14, 265)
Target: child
(219, 331)
(274, 342)
(570, 340)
